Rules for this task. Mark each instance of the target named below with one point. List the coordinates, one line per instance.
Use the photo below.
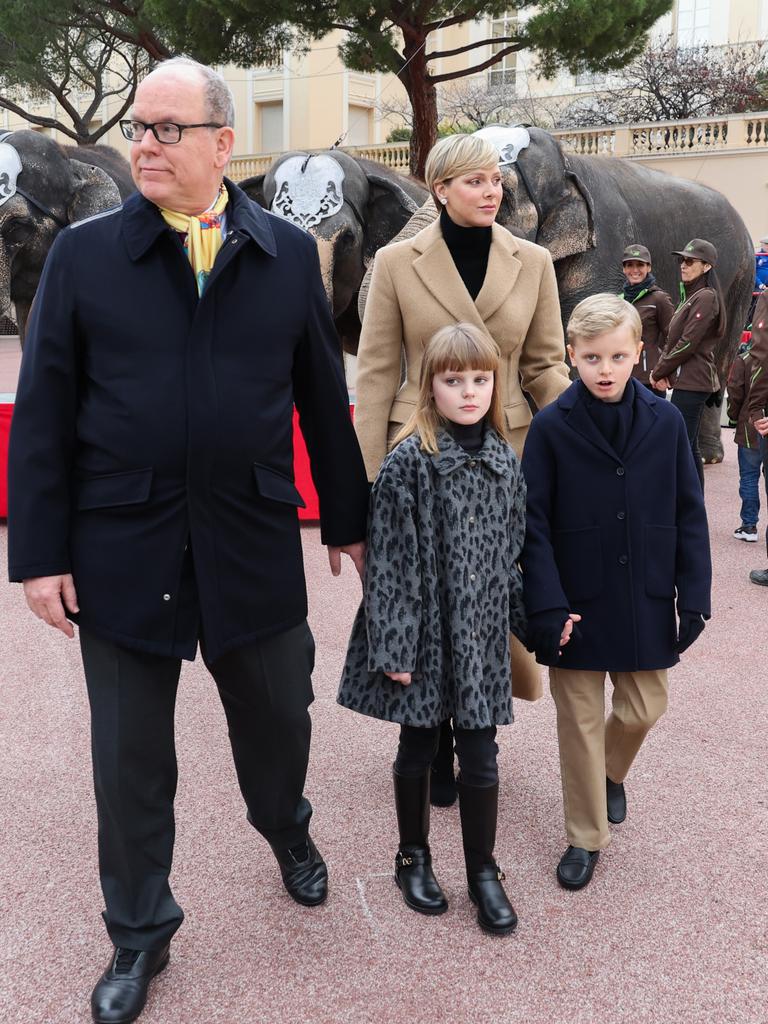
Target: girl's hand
(400, 677)
(565, 636)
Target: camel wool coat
(415, 290)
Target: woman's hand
(761, 426)
(661, 385)
(400, 677)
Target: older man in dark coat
(153, 502)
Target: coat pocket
(276, 487)
(517, 415)
(579, 558)
(660, 557)
(111, 489)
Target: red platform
(302, 474)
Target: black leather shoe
(305, 875)
(495, 914)
(121, 991)
(617, 801)
(416, 881)
(759, 576)
(576, 867)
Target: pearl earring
(443, 200)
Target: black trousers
(691, 406)
(266, 690)
(476, 750)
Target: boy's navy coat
(149, 421)
(615, 538)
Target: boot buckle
(501, 877)
(402, 861)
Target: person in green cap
(655, 307)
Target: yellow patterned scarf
(203, 236)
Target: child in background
(442, 590)
(616, 531)
(747, 439)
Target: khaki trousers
(592, 746)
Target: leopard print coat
(442, 587)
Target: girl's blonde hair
(457, 347)
(600, 313)
(455, 155)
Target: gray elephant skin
(59, 187)
(351, 206)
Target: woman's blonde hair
(600, 313)
(457, 347)
(455, 155)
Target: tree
(671, 83)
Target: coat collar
(494, 453)
(437, 271)
(573, 403)
(143, 223)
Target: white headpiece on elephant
(509, 139)
(10, 169)
(308, 189)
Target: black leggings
(476, 750)
(691, 406)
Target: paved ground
(672, 928)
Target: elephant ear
(569, 226)
(254, 189)
(389, 210)
(93, 191)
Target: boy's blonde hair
(601, 313)
(455, 155)
(457, 347)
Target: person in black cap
(687, 363)
(652, 303)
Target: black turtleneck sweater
(613, 419)
(469, 436)
(469, 248)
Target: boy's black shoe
(759, 576)
(121, 991)
(617, 801)
(576, 866)
(746, 532)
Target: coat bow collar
(143, 223)
(451, 456)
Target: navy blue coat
(615, 539)
(153, 428)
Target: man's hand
(761, 426)
(400, 677)
(355, 551)
(48, 596)
(568, 628)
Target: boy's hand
(691, 628)
(400, 677)
(570, 628)
(548, 631)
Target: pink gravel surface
(671, 929)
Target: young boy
(747, 439)
(616, 531)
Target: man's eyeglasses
(688, 261)
(164, 131)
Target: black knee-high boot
(413, 863)
(478, 808)
(443, 785)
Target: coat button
(473, 462)
(623, 559)
(620, 471)
(473, 635)
(166, 597)
(621, 515)
(471, 519)
(472, 576)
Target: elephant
(43, 188)
(351, 206)
(585, 210)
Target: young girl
(442, 591)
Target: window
(590, 78)
(271, 127)
(358, 126)
(692, 22)
(503, 73)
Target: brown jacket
(758, 392)
(656, 310)
(687, 359)
(739, 380)
(415, 290)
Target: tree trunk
(423, 97)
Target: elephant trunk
(5, 283)
(326, 252)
